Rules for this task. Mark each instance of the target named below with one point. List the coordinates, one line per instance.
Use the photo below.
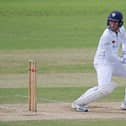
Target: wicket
(32, 98)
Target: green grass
(57, 7)
(48, 60)
(22, 68)
(67, 68)
(66, 123)
(31, 32)
(30, 24)
(20, 95)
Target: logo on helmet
(113, 14)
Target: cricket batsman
(107, 62)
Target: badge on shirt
(113, 44)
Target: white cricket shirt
(109, 45)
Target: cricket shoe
(79, 108)
(123, 106)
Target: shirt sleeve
(123, 31)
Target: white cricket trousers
(105, 85)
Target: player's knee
(107, 89)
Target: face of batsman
(114, 25)
(115, 20)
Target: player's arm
(123, 60)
